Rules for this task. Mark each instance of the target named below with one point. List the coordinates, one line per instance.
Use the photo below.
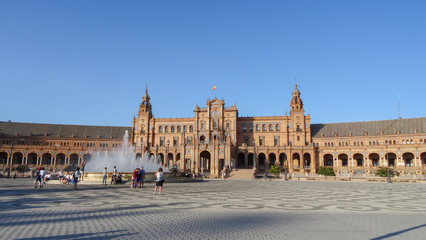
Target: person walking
(142, 177)
(159, 180)
(42, 173)
(104, 177)
(114, 175)
(37, 177)
(76, 177)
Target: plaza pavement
(216, 209)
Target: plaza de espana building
(217, 137)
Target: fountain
(124, 158)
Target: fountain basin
(149, 177)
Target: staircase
(242, 174)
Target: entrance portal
(205, 161)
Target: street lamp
(254, 159)
(167, 152)
(387, 159)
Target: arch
(390, 158)
(3, 157)
(60, 159)
(74, 159)
(205, 161)
(328, 160)
(264, 128)
(250, 160)
(296, 160)
(359, 158)
(272, 158)
(178, 129)
(408, 159)
(283, 159)
(271, 127)
(343, 158)
(17, 158)
(185, 128)
(160, 129)
(172, 129)
(261, 160)
(166, 129)
(307, 160)
(257, 128)
(423, 158)
(160, 159)
(374, 159)
(170, 158)
(87, 157)
(177, 161)
(277, 128)
(191, 128)
(241, 159)
(32, 158)
(46, 159)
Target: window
(175, 141)
(178, 129)
(298, 128)
(188, 139)
(276, 140)
(184, 129)
(160, 129)
(191, 128)
(271, 128)
(277, 127)
(227, 126)
(298, 138)
(263, 128)
(215, 124)
(202, 126)
(251, 127)
(261, 140)
(161, 141)
(166, 129)
(246, 140)
(244, 128)
(172, 129)
(257, 128)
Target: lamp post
(167, 152)
(387, 160)
(254, 159)
(156, 154)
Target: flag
(214, 87)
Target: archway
(205, 161)
(408, 159)
(160, 159)
(296, 160)
(328, 160)
(307, 160)
(374, 159)
(60, 159)
(17, 158)
(170, 158)
(74, 159)
(46, 159)
(391, 159)
(423, 158)
(261, 160)
(177, 162)
(250, 160)
(32, 159)
(343, 159)
(3, 158)
(283, 158)
(272, 159)
(359, 158)
(241, 160)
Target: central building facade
(216, 137)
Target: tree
(383, 172)
(326, 171)
(276, 170)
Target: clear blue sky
(87, 62)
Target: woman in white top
(159, 180)
(76, 176)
